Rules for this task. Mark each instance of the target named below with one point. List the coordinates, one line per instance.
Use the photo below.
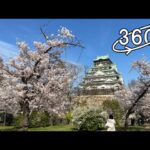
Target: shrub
(56, 120)
(39, 119)
(18, 121)
(88, 119)
(113, 106)
(104, 114)
(68, 117)
(1, 118)
(9, 119)
(6, 118)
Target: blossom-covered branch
(39, 78)
(130, 98)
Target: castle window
(117, 87)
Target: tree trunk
(26, 111)
(126, 123)
(132, 122)
(143, 92)
(126, 119)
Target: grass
(70, 128)
(7, 128)
(49, 128)
(53, 128)
(134, 128)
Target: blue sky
(97, 35)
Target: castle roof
(101, 58)
(102, 76)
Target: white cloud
(8, 50)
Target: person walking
(110, 125)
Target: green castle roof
(101, 57)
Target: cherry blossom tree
(38, 78)
(74, 70)
(6, 99)
(134, 98)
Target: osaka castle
(102, 79)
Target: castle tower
(102, 79)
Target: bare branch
(43, 33)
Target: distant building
(102, 79)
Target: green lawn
(134, 128)
(49, 128)
(70, 128)
(53, 128)
(6, 128)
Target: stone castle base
(93, 100)
(97, 92)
